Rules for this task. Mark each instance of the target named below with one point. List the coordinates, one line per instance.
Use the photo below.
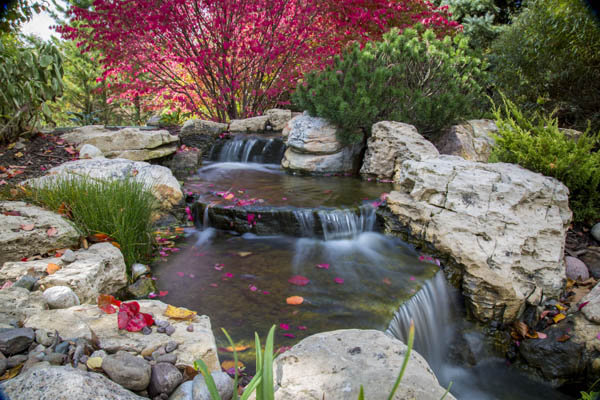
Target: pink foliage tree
(226, 59)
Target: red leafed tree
(226, 59)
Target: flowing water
(246, 149)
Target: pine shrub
(411, 77)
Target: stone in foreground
(24, 231)
(65, 383)
(502, 225)
(60, 297)
(127, 370)
(333, 365)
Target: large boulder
(390, 144)
(24, 231)
(158, 179)
(65, 383)
(88, 320)
(130, 143)
(97, 270)
(278, 118)
(472, 140)
(249, 125)
(502, 225)
(333, 365)
(313, 148)
(202, 127)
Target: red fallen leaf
(52, 231)
(582, 305)
(290, 335)
(541, 335)
(302, 328)
(12, 213)
(323, 266)
(163, 293)
(70, 150)
(27, 227)
(24, 259)
(299, 280)
(283, 349)
(285, 327)
(131, 319)
(106, 302)
(339, 281)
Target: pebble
(158, 352)
(190, 328)
(44, 337)
(162, 323)
(14, 341)
(596, 232)
(146, 330)
(138, 270)
(167, 358)
(148, 350)
(26, 282)
(69, 256)
(171, 347)
(160, 329)
(55, 358)
(62, 348)
(576, 269)
(165, 379)
(170, 330)
(13, 361)
(58, 297)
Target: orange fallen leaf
(52, 268)
(295, 300)
(100, 237)
(558, 317)
(135, 172)
(239, 347)
(52, 231)
(563, 338)
(179, 229)
(11, 373)
(27, 227)
(70, 150)
(117, 245)
(387, 281)
(227, 364)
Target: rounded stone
(60, 297)
(138, 270)
(576, 269)
(127, 370)
(26, 282)
(90, 151)
(44, 337)
(69, 256)
(14, 341)
(596, 232)
(165, 378)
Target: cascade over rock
(504, 227)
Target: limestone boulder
(61, 297)
(158, 179)
(333, 365)
(278, 118)
(130, 143)
(591, 310)
(472, 140)
(24, 231)
(194, 127)
(254, 124)
(66, 383)
(97, 270)
(390, 144)
(90, 151)
(344, 161)
(17, 304)
(312, 135)
(502, 225)
(81, 321)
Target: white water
(247, 150)
(336, 224)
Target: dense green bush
(411, 77)
(536, 143)
(479, 19)
(549, 59)
(29, 77)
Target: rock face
(100, 269)
(335, 364)
(185, 163)
(504, 227)
(81, 321)
(130, 143)
(314, 148)
(390, 144)
(471, 140)
(158, 179)
(23, 232)
(202, 127)
(18, 303)
(66, 383)
(254, 124)
(60, 297)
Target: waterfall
(306, 220)
(431, 309)
(343, 224)
(231, 150)
(249, 149)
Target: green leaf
(267, 381)
(411, 338)
(210, 382)
(46, 60)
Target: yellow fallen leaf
(239, 347)
(18, 155)
(52, 268)
(10, 146)
(179, 312)
(560, 307)
(11, 373)
(94, 362)
(244, 253)
(295, 300)
(227, 364)
(558, 317)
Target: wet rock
(26, 282)
(167, 358)
(90, 151)
(222, 380)
(576, 269)
(17, 243)
(138, 270)
(19, 359)
(184, 392)
(185, 163)
(60, 297)
(68, 256)
(591, 258)
(127, 370)
(55, 358)
(165, 378)
(596, 232)
(141, 288)
(45, 382)
(472, 140)
(16, 340)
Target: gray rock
(90, 151)
(16, 304)
(591, 311)
(44, 337)
(3, 366)
(26, 282)
(147, 330)
(167, 358)
(138, 270)
(55, 358)
(222, 380)
(576, 269)
(141, 288)
(185, 163)
(158, 352)
(161, 323)
(44, 382)
(591, 258)
(169, 330)
(278, 118)
(60, 297)
(184, 392)
(171, 346)
(14, 341)
(201, 127)
(127, 370)
(596, 232)
(99, 353)
(63, 347)
(68, 256)
(13, 361)
(165, 378)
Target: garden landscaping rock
(596, 232)
(138, 270)
(24, 232)
(13, 361)
(390, 144)
(194, 127)
(52, 383)
(223, 382)
(127, 370)
(44, 337)
(472, 140)
(591, 310)
(26, 282)
(90, 151)
(278, 118)
(165, 378)
(64, 321)
(16, 340)
(502, 225)
(185, 163)
(129, 143)
(591, 258)
(249, 125)
(167, 358)
(68, 256)
(576, 269)
(184, 392)
(97, 270)
(322, 365)
(159, 180)
(60, 297)
(141, 288)
(3, 366)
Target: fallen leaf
(285, 327)
(541, 335)
(560, 307)
(163, 293)
(99, 237)
(238, 348)
(230, 364)
(323, 266)
(181, 274)
(106, 303)
(558, 317)
(582, 305)
(299, 280)
(521, 328)
(70, 150)
(11, 373)
(52, 268)
(94, 362)
(179, 229)
(290, 335)
(179, 312)
(387, 281)
(294, 300)
(152, 295)
(28, 227)
(6, 285)
(12, 213)
(244, 253)
(117, 245)
(252, 288)
(302, 328)
(18, 154)
(563, 338)
(131, 319)
(339, 281)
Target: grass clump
(538, 144)
(121, 209)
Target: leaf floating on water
(52, 268)
(323, 266)
(179, 312)
(299, 280)
(290, 335)
(302, 328)
(213, 285)
(244, 253)
(285, 327)
(163, 293)
(339, 281)
(219, 267)
(152, 295)
(181, 274)
(294, 300)
(412, 278)
(238, 348)
(252, 288)
(230, 364)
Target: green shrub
(411, 77)
(536, 143)
(121, 209)
(549, 59)
(29, 77)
